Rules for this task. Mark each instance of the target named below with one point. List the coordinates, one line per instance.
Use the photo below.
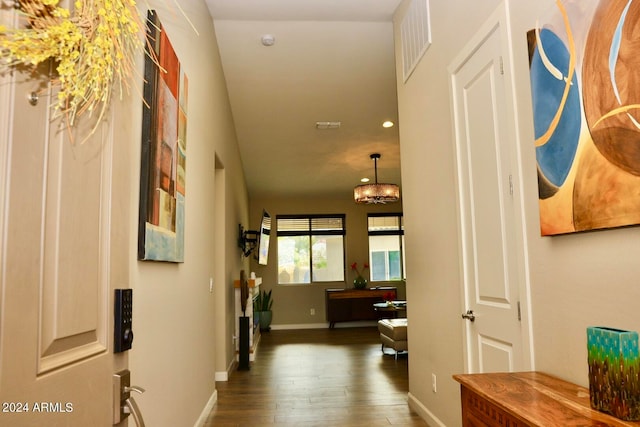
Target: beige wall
(182, 331)
(575, 280)
(292, 303)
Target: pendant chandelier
(376, 193)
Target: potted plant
(262, 309)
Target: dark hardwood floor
(318, 377)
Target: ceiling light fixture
(387, 124)
(376, 193)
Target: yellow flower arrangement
(93, 47)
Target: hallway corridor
(319, 377)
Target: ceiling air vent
(415, 32)
(328, 125)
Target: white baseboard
(224, 375)
(424, 413)
(360, 324)
(207, 409)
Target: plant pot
(265, 320)
(359, 282)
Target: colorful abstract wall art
(585, 81)
(164, 143)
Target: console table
(527, 399)
(347, 305)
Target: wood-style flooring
(320, 377)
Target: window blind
(299, 225)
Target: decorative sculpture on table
(244, 292)
(244, 324)
(614, 369)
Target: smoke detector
(268, 40)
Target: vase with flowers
(359, 282)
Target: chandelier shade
(376, 192)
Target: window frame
(310, 233)
(399, 232)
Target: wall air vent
(415, 34)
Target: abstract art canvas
(585, 83)
(164, 144)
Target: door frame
(225, 349)
(499, 20)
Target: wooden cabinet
(527, 399)
(347, 305)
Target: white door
(64, 248)
(493, 331)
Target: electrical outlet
(434, 383)
(312, 312)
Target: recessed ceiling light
(387, 124)
(365, 180)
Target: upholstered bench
(393, 333)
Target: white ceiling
(333, 60)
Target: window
(310, 248)
(386, 247)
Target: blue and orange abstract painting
(585, 86)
